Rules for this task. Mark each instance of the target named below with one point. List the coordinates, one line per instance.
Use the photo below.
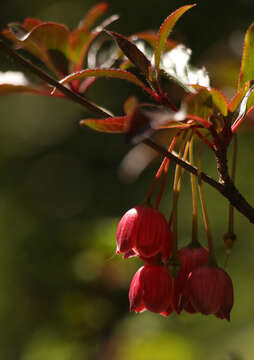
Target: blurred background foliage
(63, 292)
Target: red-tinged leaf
(94, 13)
(245, 107)
(247, 64)
(30, 23)
(107, 73)
(132, 53)
(9, 89)
(165, 30)
(81, 40)
(152, 38)
(108, 125)
(235, 102)
(15, 82)
(42, 39)
(50, 36)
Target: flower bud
(151, 289)
(142, 230)
(209, 290)
(191, 257)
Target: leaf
(15, 82)
(245, 107)
(108, 125)
(165, 30)
(151, 38)
(46, 36)
(94, 13)
(30, 23)
(247, 64)
(235, 102)
(42, 39)
(132, 52)
(8, 89)
(111, 73)
(81, 40)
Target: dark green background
(63, 292)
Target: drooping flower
(151, 289)
(191, 257)
(142, 231)
(208, 290)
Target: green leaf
(247, 64)
(108, 125)
(132, 52)
(165, 30)
(107, 73)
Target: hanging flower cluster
(172, 279)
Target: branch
(50, 80)
(224, 185)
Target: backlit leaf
(107, 73)
(42, 39)
(165, 30)
(81, 40)
(247, 64)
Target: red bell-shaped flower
(209, 290)
(142, 231)
(151, 289)
(191, 257)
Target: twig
(50, 80)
